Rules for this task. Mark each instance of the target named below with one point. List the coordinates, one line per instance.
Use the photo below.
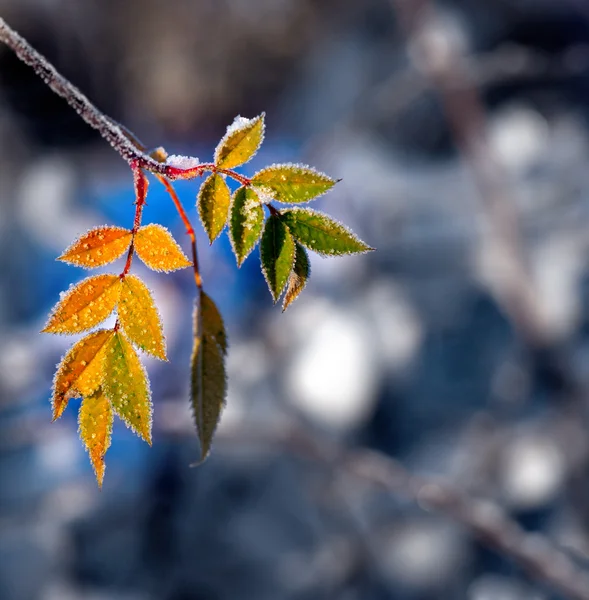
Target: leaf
(208, 378)
(95, 426)
(80, 371)
(156, 247)
(240, 142)
(126, 386)
(292, 183)
(298, 278)
(87, 304)
(277, 252)
(246, 222)
(139, 317)
(213, 321)
(320, 233)
(213, 202)
(98, 247)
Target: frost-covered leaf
(246, 222)
(80, 371)
(213, 324)
(213, 203)
(139, 317)
(156, 247)
(95, 426)
(292, 183)
(127, 387)
(320, 233)
(208, 378)
(277, 252)
(98, 247)
(87, 304)
(298, 278)
(240, 142)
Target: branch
(111, 131)
(532, 552)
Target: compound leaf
(213, 203)
(240, 142)
(156, 247)
(139, 317)
(292, 183)
(320, 233)
(98, 247)
(87, 304)
(277, 252)
(298, 278)
(246, 222)
(95, 426)
(80, 371)
(126, 386)
(208, 377)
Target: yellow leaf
(95, 426)
(80, 371)
(98, 247)
(208, 378)
(214, 198)
(240, 142)
(126, 386)
(89, 303)
(139, 317)
(156, 247)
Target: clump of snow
(182, 162)
(238, 123)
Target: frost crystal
(182, 162)
(238, 123)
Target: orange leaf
(79, 373)
(89, 303)
(127, 387)
(98, 247)
(139, 317)
(156, 247)
(95, 426)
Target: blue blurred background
(460, 347)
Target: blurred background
(459, 349)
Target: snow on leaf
(208, 377)
(181, 162)
(98, 247)
(298, 278)
(213, 202)
(316, 231)
(277, 252)
(246, 222)
(80, 371)
(126, 386)
(87, 304)
(156, 247)
(292, 183)
(139, 317)
(95, 427)
(240, 142)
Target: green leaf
(208, 377)
(213, 202)
(292, 183)
(246, 222)
(320, 233)
(126, 386)
(277, 252)
(298, 278)
(240, 143)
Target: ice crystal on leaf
(213, 203)
(277, 252)
(240, 143)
